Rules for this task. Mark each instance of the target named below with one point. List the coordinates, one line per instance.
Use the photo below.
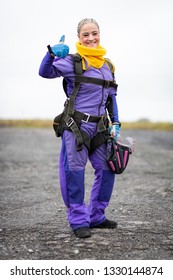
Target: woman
(91, 100)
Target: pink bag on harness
(118, 153)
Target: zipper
(102, 95)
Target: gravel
(33, 221)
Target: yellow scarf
(93, 56)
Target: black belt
(86, 117)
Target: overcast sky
(138, 37)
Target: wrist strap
(117, 123)
(50, 51)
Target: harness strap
(74, 128)
(96, 81)
(72, 99)
(86, 117)
(77, 63)
(71, 113)
(101, 125)
(70, 121)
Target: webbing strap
(74, 128)
(101, 126)
(72, 99)
(68, 119)
(96, 81)
(77, 63)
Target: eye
(85, 34)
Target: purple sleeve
(115, 117)
(47, 69)
(113, 105)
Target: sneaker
(106, 224)
(82, 232)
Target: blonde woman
(90, 110)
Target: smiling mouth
(92, 43)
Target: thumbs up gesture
(60, 50)
(62, 39)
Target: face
(89, 35)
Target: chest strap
(96, 81)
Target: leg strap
(74, 128)
(101, 125)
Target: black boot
(106, 224)
(82, 232)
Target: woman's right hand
(60, 50)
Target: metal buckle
(70, 122)
(86, 118)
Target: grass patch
(148, 125)
(37, 123)
(26, 123)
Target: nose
(91, 37)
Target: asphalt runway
(33, 222)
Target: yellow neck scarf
(93, 56)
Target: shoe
(106, 224)
(82, 232)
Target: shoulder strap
(77, 61)
(111, 67)
(70, 110)
(110, 64)
(78, 71)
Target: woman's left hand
(114, 131)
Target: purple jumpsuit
(91, 100)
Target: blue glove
(60, 49)
(114, 130)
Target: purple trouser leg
(72, 171)
(102, 187)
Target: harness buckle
(69, 122)
(86, 118)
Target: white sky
(138, 36)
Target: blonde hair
(85, 21)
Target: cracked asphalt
(33, 222)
